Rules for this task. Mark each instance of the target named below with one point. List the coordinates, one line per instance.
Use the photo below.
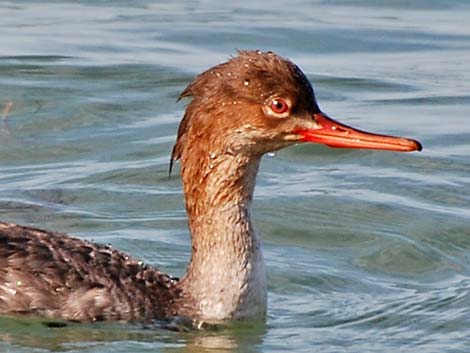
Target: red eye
(279, 106)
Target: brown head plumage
(252, 78)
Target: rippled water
(366, 251)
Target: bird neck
(226, 274)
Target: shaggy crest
(252, 76)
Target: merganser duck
(255, 103)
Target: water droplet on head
(212, 155)
(246, 82)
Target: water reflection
(5, 133)
(240, 338)
(65, 336)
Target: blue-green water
(366, 251)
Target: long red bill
(335, 134)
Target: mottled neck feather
(226, 272)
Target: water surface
(366, 251)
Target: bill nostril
(340, 129)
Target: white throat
(226, 275)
